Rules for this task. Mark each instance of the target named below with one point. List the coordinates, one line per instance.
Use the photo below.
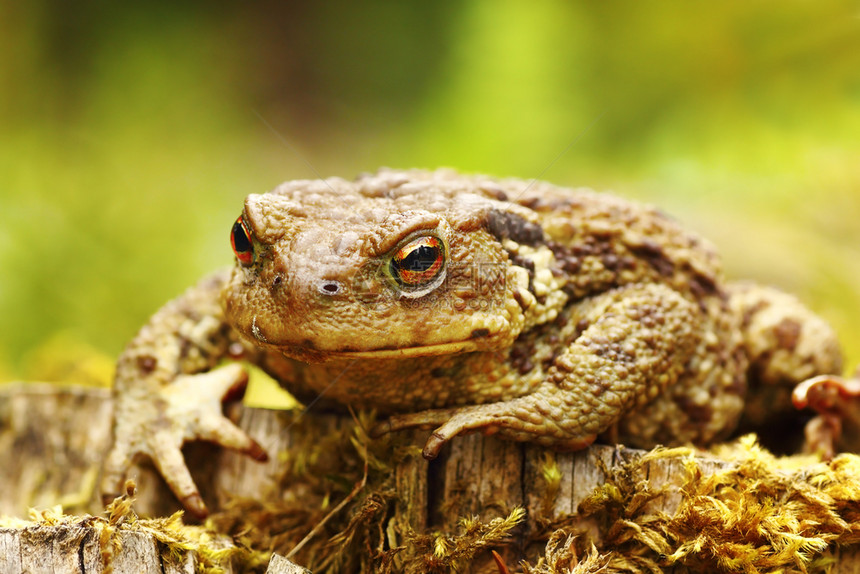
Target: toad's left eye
(419, 262)
(240, 239)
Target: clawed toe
(433, 446)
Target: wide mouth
(406, 352)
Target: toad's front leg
(637, 340)
(167, 392)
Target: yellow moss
(561, 556)
(754, 513)
(428, 553)
(551, 474)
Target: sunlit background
(130, 133)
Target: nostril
(329, 288)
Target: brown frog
(464, 303)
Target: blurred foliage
(64, 357)
(132, 132)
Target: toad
(463, 303)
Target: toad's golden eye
(240, 239)
(419, 262)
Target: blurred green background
(130, 133)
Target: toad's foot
(519, 419)
(837, 401)
(156, 425)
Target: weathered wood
(74, 548)
(52, 442)
(10, 550)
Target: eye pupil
(241, 242)
(420, 259)
(240, 239)
(419, 262)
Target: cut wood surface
(52, 441)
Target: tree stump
(52, 441)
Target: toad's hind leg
(636, 340)
(786, 343)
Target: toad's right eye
(240, 239)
